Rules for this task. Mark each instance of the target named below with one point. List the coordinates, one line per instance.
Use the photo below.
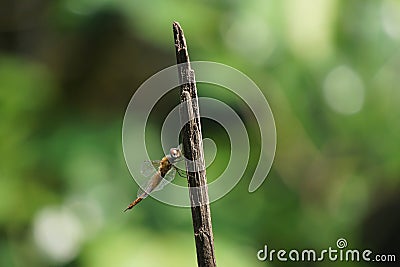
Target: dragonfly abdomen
(134, 203)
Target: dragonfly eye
(175, 153)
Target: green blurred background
(329, 69)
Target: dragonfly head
(174, 155)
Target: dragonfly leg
(181, 173)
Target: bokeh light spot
(391, 18)
(309, 24)
(344, 91)
(248, 36)
(58, 233)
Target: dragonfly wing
(167, 179)
(150, 185)
(149, 167)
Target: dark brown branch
(193, 151)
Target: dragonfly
(165, 173)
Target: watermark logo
(152, 90)
(341, 243)
(339, 253)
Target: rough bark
(193, 151)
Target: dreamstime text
(338, 253)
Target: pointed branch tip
(180, 43)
